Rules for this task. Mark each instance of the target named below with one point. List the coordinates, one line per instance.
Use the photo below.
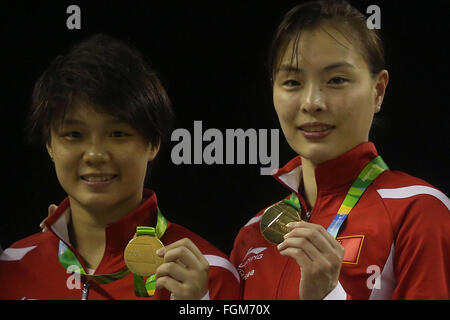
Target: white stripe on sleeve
(217, 261)
(253, 220)
(406, 192)
(15, 254)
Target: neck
(309, 182)
(87, 228)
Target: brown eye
(291, 83)
(338, 81)
(119, 134)
(72, 135)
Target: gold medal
(274, 221)
(140, 256)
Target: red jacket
(30, 269)
(396, 239)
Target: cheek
(66, 160)
(132, 162)
(353, 112)
(286, 106)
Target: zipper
(85, 290)
(307, 216)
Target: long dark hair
(311, 15)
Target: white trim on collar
(292, 179)
(60, 226)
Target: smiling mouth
(98, 178)
(316, 128)
(316, 131)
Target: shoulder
(400, 189)
(24, 261)
(413, 205)
(30, 246)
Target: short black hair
(111, 76)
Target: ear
(154, 149)
(381, 82)
(49, 150)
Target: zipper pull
(85, 290)
(307, 215)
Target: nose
(96, 152)
(313, 99)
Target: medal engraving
(274, 221)
(140, 256)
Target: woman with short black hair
(102, 114)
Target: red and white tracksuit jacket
(396, 239)
(30, 269)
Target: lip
(98, 183)
(315, 130)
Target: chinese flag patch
(352, 245)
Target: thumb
(51, 209)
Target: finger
(168, 283)
(42, 225)
(327, 236)
(184, 255)
(313, 234)
(331, 240)
(298, 255)
(173, 270)
(293, 244)
(186, 242)
(51, 209)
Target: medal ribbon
(146, 288)
(365, 178)
(69, 260)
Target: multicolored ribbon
(142, 288)
(146, 287)
(365, 178)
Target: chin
(93, 199)
(316, 153)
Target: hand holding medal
(315, 249)
(179, 267)
(275, 218)
(184, 271)
(317, 253)
(140, 254)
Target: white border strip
(253, 220)
(15, 254)
(406, 192)
(217, 261)
(338, 293)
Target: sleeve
(224, 282)
(338, 293)
(236, 253)
(422, 248)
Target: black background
(212, 59)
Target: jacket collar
(331, 175)
(118, 233)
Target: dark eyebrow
(80, 122)
(291, 68)
(338, 65)
(69, 122)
